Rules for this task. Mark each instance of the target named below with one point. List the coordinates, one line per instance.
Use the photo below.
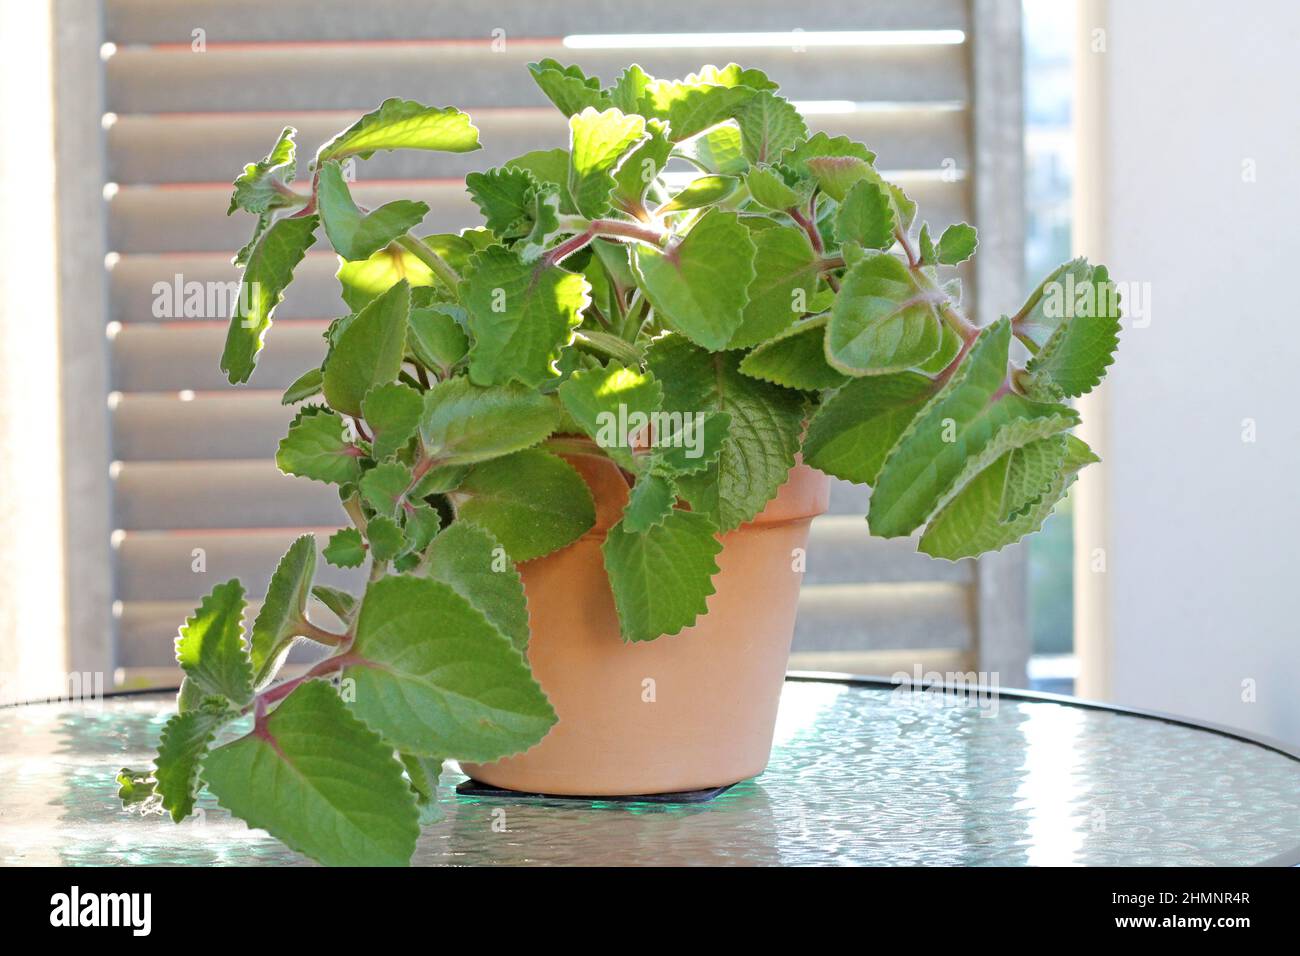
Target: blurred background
(1154, 135)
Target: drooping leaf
(185, 741)
(435, 677)
(661, 577)
(785, 279)
(958, 433)
(880, 321)
(612, 404)
(269, 269)
(356, 235)
(317, 779)
(285, 607)
(762, 439)
(699, 284)
(532, 501)
(341, 604)
(599, 141)
(392, 410)
(210, 648)
(520, 315)
(345, 549)
(795, 359)
(473, 563)
(463, 423)
(317, 447)
(859, 425)
(304, 386)
(403, 124)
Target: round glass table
(862, 772)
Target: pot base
(473, 788)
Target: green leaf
(957, 434)
(880, 321)
(258, 187)
(835, 162)
(649, 503)
(403, 124)
(503, 196)
(365, 280)
(957, 244)
(385, 537)
(795, 359)
(356, 235)
(691, 106)
(370, 350)
(1008, 500)
(393, 413)
(532, 501)
(305, 386)
(612, 404)
(549, 166)
(520, 316)
(184, 744)
(701, 191)
(867, 216)
(269, 269)
(720, 151)
(436, 339)
(568, 87)
(341, 604)
(599, 141)
(686, 444)
(345, 549)
(384, 486)
(769, 189)
(464, 423)
(762, 439)
(859, 425)
(434, 677)
(928, 254)
(1074, 359)
(769, 125)
(473, 563)
(284, 609)
(421, 524)
(641, 167)
(316, 447)
(315, 778)
(699, 283)
(1062, 294)
(423, 773)
(786, 271)
(661, 577)
(209, 647)
(136, 787)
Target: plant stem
(280, 691)
(450, 278)
(809, 227)
(611, 228)
(610, 346)
(321, 636)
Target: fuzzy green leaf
(835, 162)
(341, 604)
(317, 779)
(385, 537)
(436, 339)
(258, 187)
(473, 563)
(599, 142)
(363, 281)
(795, 359)
(423, 773)
(520, 316)
(785, 280)
(356, 235)
(345, 549)
(612, 404)
(859, 425)
(532, 501)
(769, 125)
(649, 503)
(700, 283)
(568, 87)
(464, 423)
(880, 322)
(370, 350)
(641, 167)
(283, 610)
(210, 648)
(701, 191)
(435, 677)
(503, 196)
(769, 189)
(718, 151)
(269, 269)
(184, 744)
(403, 124)
(692, 105)
(1074, 359)
(317, 447)
(762, 439)
(867, 216)
(687, 444)
(306, 385)
(384, 486)
(662, 577)
(957, 244)
(393, 412)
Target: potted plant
(564, 436)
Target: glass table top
(860, 774)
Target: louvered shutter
(193, 472)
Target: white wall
(1202, 529)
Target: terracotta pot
(708, 716)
